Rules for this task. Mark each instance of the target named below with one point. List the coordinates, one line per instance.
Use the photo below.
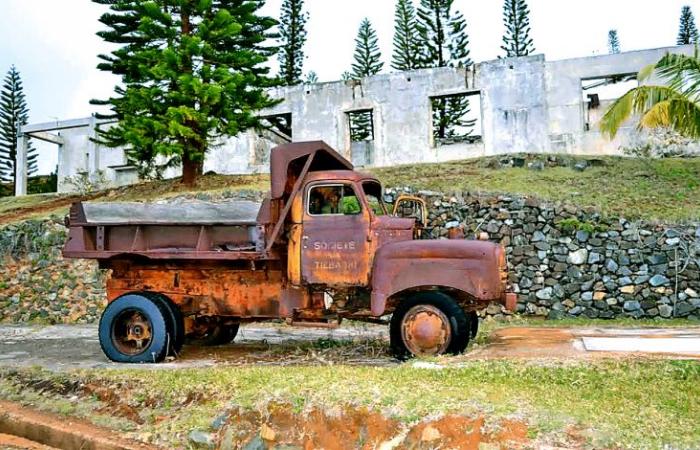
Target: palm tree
(674, 105)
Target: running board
(312, 324)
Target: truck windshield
(333, 199)
(373, 194)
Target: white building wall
(527, 105)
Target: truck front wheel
(428, 323)
(135, 329)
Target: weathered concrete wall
(566, 104)
(526, 105)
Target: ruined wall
(566, 261)
(525, 104)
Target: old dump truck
(320, 248)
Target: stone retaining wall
(566, 261)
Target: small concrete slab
(671, 345)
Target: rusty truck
(322, 247)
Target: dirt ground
(64, 347)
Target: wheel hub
(426, 330)
(132, 332)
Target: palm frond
(681, 71)
(635, 101)
(646, 72)
(678, 113)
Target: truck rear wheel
(473, 324)
(215, 334)
(429, 323)
(135, 329)
(176, 319)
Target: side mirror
(409, 206)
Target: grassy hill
(664, 190)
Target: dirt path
(25, 212)
(26, 428)
(63, 347)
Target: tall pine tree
(292, 30)
(406, 54)
(516, 18)
(687, 32)
(444, 42)
(192, 71)
(367, 62)
(367, 57)
(613, 42)
(14, 114)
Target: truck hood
(444, 249)
(392, 223)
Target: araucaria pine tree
(516, 18)
(292, 30)
(14, 114)
(311, 77)
(367, 57)
(192, 72)
(406, 54)
(613, 42)
(444, 42)
(687, 32)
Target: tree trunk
(190, 170)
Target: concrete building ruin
(522, 104)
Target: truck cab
(337, 223)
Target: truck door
(335, 245)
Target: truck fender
(467, 266)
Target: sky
(54, 46)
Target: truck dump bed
(192, 230)
(232, 230)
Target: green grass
(666, 190)
(10, 203)
(630, 404)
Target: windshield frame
(379, 197)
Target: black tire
(218, 335)
(176, 319)
(158, 320)
(473, 324)
(458, 322)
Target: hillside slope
(666, 190)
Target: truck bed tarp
(194, 213)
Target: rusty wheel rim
(132, 332)
(426, 330)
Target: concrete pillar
(92, 149)
(21, 165)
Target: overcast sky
(54, 46)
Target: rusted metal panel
(283, 173)
(335, 250)
(335, 246)
(215, 291)
(164, 241)
(233, 212)
(468, 266)
(294, 254)
(386, 230)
